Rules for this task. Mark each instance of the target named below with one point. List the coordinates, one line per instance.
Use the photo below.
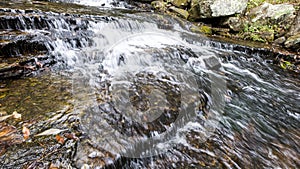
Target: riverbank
(271, 24)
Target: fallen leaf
(53, 166)
(60, 139)
(9, 135)
(50, 132)
(26, 132)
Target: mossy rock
(201, 29)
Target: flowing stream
(145, 91)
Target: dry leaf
(26, 132)
(9, 135)
(60, 139)
(53, 166)
(50, 132)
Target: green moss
(201, 29)
(258, 32)
(206, 29)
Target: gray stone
(227, 7)
(212, 63)
(272, 13)
(216, 8)
(279, 41)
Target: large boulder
(273, 19)
(227, 7)
(268, 13)
(216, 8)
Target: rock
(293, 42)
(293, 36)
(295, 28)
(181, 12)
(180, 3)
(212, 63)
(272, 13)
(268, 22)
(159, 5)
(234, 23)
(279, 41)
(228, 7)
(217, 8)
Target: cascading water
(150, 94)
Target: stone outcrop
(216, 8)
(267, 13)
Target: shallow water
(148, 93)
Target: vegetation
(256, 32)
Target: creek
(140, 90)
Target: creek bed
(123, 89)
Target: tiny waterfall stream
(144, 91)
